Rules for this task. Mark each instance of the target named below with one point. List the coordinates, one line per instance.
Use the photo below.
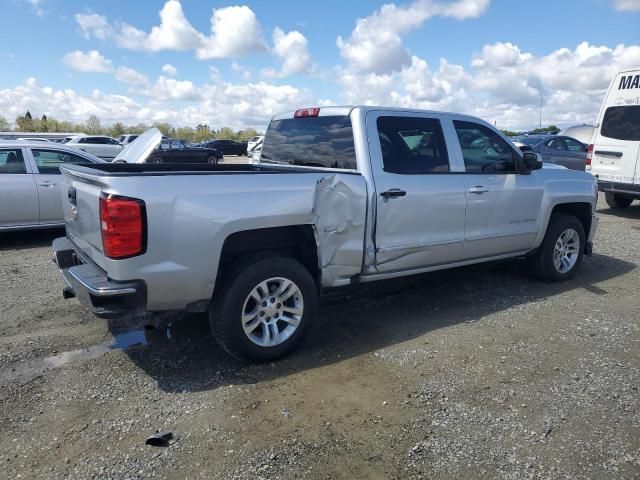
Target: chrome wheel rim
(272, 312)
(566, 250)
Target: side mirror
(532, 160)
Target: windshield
(311, 141)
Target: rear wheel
(561, 251)
(213, 160)
(265, 309)
(615, 200)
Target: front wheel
(212, 160)
(617, 201)
(265, 308)
(561, 251)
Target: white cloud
(235, 32)
(169, 69)
(67, 104)
(292, 49)
(91, 61)
(503, 84)
(130, 76)
(180, 103)
(375, 45)
(627, 5)
(94, 25)
(165, 89)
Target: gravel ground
(471, 373)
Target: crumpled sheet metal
(339, 216)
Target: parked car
(561, 150)
(253, 142)
(34, 139)
(614, 153)
(342, 196)
(582, 133)
(30, 183)
(127, 139)
(166, 150)
(227, 147)
(103, 147)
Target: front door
(420, 199)
(502, 205)
(18, 194)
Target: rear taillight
(589, 156)
(307, 112)
(123, 224)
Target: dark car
(173, 150)
(563, 150)
(227, 147)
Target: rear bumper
(626, 189)
(106, 298)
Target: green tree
(165, 128)
(4, 124)
(24, 123)
(93, 126)
(116, 130)
(202, 133)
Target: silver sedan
(30, 194)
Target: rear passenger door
(18, 194)
(503, 204)
(420, 197)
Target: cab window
(412, 145)
(49, 161)
(483, 150)
(11, 161)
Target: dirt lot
(472, 373)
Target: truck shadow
(633, 211)
(186, 358)
(21, 240)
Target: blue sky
(491, 58)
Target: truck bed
(143, 169)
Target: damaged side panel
(339, 220)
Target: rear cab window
(322, 141)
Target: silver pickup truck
(342, 195)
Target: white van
(614, 152)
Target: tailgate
(81, 208)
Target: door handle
(393, 193)
(478, 189)
(47, 184)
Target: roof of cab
(347, 109)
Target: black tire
(617, 201)
(227, 308)
(212, 160)
(542, 263)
